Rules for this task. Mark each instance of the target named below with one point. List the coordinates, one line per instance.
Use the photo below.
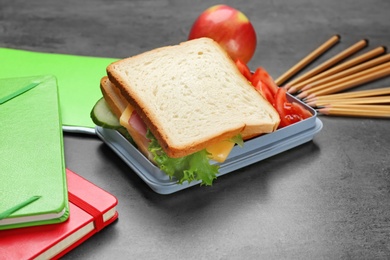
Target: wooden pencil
(327, 74)
(307, 60)
(350, 81)
(351, 101)
(353, 112)
(355, 82)
(364, 66)
(381, 108)
(332, 61)
(353, 94)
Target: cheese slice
(125, 117)
(218, 152)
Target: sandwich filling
(195, 166)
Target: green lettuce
(194, 167)
(237, 140)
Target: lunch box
(253, 151)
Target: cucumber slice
(102, 115)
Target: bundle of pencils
(325, 86)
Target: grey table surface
(326, 199)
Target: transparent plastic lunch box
(253, 151)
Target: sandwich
(185, 106)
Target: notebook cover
(31, 152)
(78, 79)
(54, 241)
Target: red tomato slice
(244, 69)
(291, 116)
(262, 74)
(289, 112)
(280, 101)
(265, 92)
(300, 110)
(256, 76)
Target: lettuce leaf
(238, 140)
(194, 167)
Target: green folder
(78, 81)
(33, 188)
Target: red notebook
(91, 209)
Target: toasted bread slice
(191, 96)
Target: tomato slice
(291, 116)
(280, 101)
(265, 91)
(300, 110)
(262, 74)
(244, 69)
(256, 76)
(289, 112)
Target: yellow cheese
(220, 151)
(125, 117)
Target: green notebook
(33, 189)
(78, 81)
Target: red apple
(230, 28)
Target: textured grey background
(327, 199)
